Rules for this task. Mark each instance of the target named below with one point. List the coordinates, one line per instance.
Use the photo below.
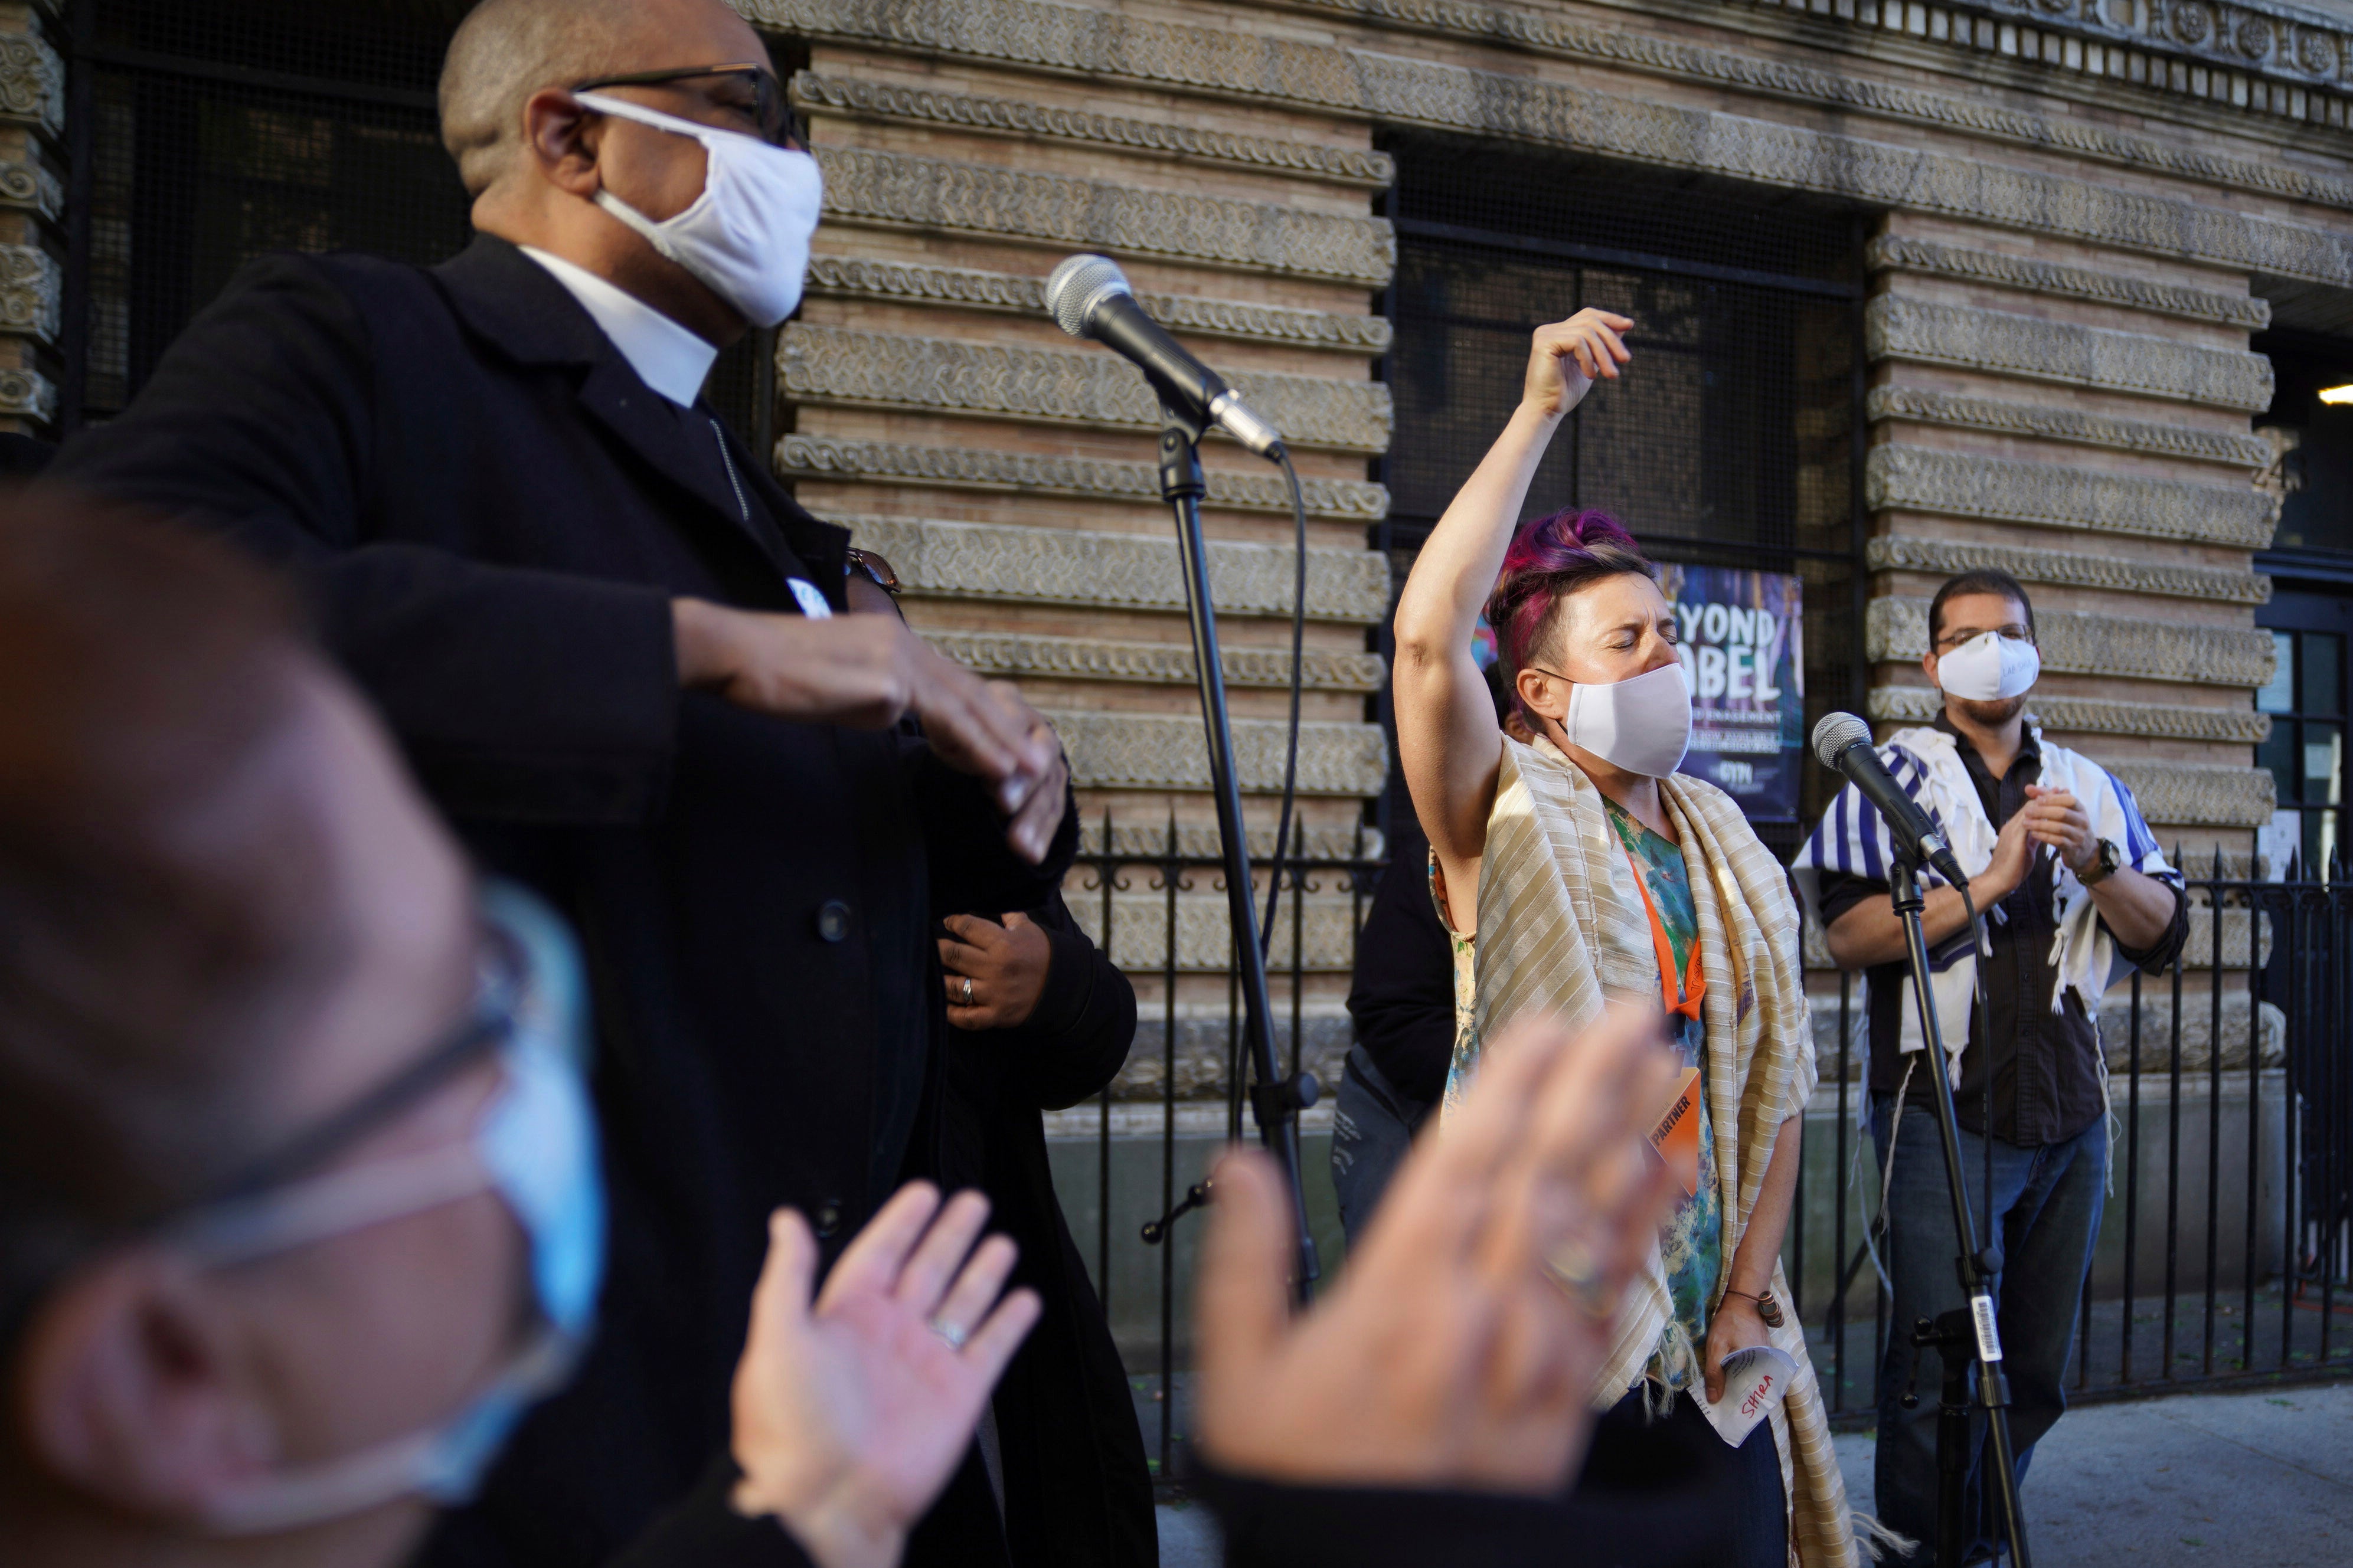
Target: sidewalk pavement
(2254, 1480)
(2257, 1481)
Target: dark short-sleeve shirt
(2043, 1066)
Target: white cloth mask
(1989, 668)
(1643, 725)
(746, 238)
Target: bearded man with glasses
(2075, 894)
(611, 646)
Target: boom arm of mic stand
(1976, 1270)
(1277, 1101)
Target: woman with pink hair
(1581, 868)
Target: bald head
(506, 51)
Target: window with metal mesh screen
(1730, 440)
(222, 131)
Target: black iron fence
(2225, 1253)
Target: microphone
(1089, 297)
(1842, 741)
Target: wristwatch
(2102, 865)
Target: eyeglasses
(877, 570)
(1952, 640)
(506, 980)
(770, 109)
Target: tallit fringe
(1876, 1541)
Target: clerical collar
(667, 357)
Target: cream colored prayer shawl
(1561, 931)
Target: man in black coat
(1044, 1020)
(604, 637)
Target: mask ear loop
(333, 1204)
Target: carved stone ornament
(32, 286)
(1201, 841)
(24, 184)
(1945, 558)
(877, 100)
(2014, 344)
(1020, 655)
(28, 395)
(2190, 795)
(1454, 98)
(1072, 386)
(978, 198)
(1164, 751)
(2091, 715)
(2046, 495)
(2076, 643)
(32, 82)
(1119, 571)
(2192, 21)
(1205, 944)
(1894, 253)
(1223, 62)
(916, 282)
(957, 468)
(2004, 418)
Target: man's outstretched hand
(1461, 1343)
(851, 1416)
(869, 671)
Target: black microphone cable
(1298, 660)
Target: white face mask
(1989, 668)
(1643, 725)
(746, 238)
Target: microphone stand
(1275, 1100)
(1970, 1329)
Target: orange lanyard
(1694, 984)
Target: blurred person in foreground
(2075, 894)
(1583, 868)
(300, 1196)
(299, 1208)
(609, 644)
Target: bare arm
(1737, 1323)
(2137, 909)
(1870, 933)
(1446, 737)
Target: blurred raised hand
(851, 1413)
(1459, 1347)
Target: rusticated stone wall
(32, 282)
(2078, 214)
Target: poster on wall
(1740, 645)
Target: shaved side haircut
(505, 51)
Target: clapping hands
(1461, 1343)
(851, 1413)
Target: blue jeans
(2048, 1201)
(1373, 1124)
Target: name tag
(1675, 1133)
(812, 603)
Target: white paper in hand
(1754, 1382)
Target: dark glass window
(220, 131)
(2306, 697)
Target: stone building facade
(2066, 222)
